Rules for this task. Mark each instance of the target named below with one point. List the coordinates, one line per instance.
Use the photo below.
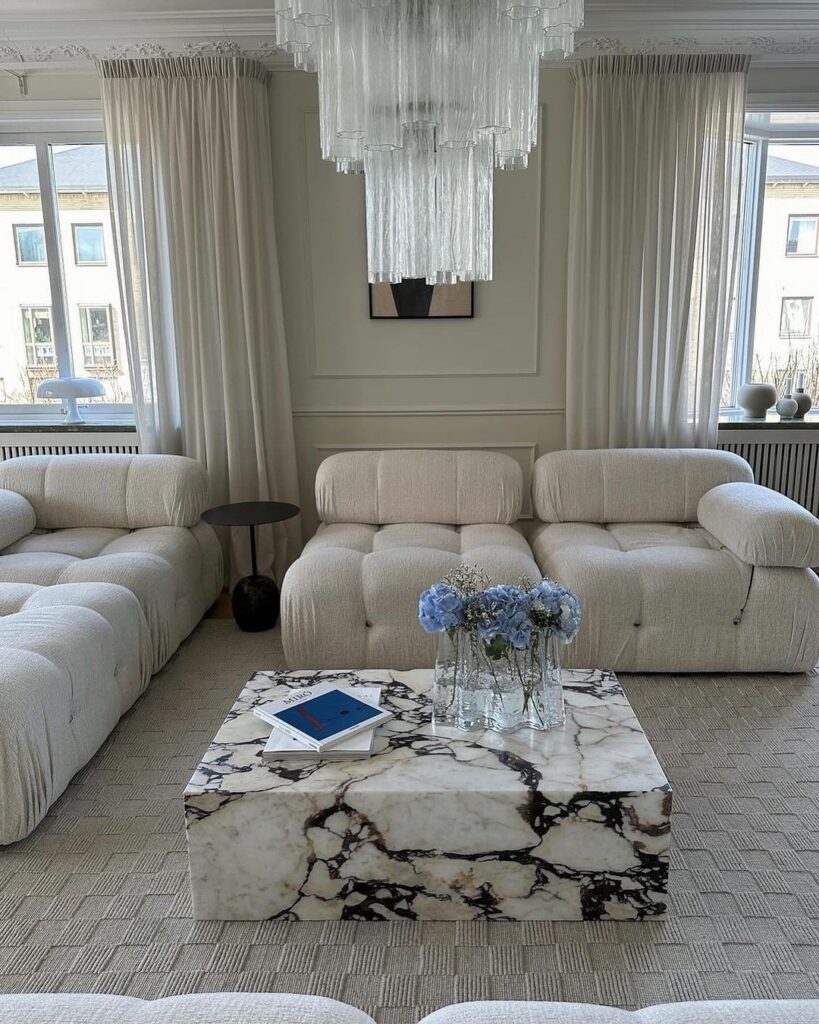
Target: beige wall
(496, 381)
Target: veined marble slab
(572, 824)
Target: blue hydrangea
(560, 605)
(568, 621)
(503, 612)
(440, 607)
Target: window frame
(17, 251)
(84, 309)
(26, 311)
(757, 135)
(808, 318)
(42, 138)
(104, 261)
(803, 255)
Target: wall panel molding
(425, 411)
(529, 359)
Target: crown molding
(52, 35)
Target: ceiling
(67, 35)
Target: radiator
(790, 467)
(45, 444)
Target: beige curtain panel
(189, 159)
(654, 226)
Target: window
(89, 245)
(774, 332)
(60, 320)
(29, 243)
(801, 236)
(794, 319)
(38, 337)
(97, 337)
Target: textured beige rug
(97, 899)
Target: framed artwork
(414, 299)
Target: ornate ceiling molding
(769, 49)
(775, 35)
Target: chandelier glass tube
(426, 98)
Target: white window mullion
(752, 232)
(51, 230)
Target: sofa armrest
(760, 526)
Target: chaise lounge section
(681, 562)
(105, 568)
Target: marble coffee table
(573, 824)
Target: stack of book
(323, 722)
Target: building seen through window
(74, 332)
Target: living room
(552, 551)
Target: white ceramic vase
(756, 400)
(787, 407)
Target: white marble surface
(439, 824)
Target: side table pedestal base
(255, 603)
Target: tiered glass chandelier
(426, 98)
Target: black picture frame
(416, 294)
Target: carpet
(97, 898)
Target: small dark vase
(803, 402)
(255, 603)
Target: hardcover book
(322, 715)
(281, 747)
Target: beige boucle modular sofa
(273, 1008)
(105, 567)
(681, 562)
(392, 523)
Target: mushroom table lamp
(69, 389)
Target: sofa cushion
(630, 485)
(175, 572)
(118, 491)
(17, 517)
(208, 1008)
(80, 542)
(351, 600)
(419, 486)
(14, 595)
(761, 526)
(757, 1011)
(57, 703)
(645, 590)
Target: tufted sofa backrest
(456, 488)
(630, 485)
(119, 491)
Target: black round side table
(255, 600)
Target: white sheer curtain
(654, 228)
(189, 159)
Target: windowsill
(47, 425)
(730, 419)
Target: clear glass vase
(525, 689)
(457, 698)
(517, 690)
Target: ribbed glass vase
(516, 690)
(457, 699)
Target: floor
(97, 898)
